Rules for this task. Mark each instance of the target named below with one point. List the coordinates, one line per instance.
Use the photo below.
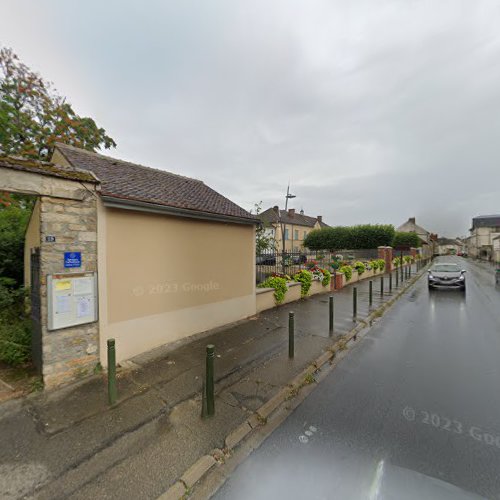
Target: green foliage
(347, 270)
(374, 264)
(327, 277)
(381, 264)
(263, 241)
(33, 116)
(13, 222)
(360, 267)
(305, 279)
(407, 259)
(279, 285)
(350, 237)
(406, 240)
(397, 261)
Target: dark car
(446, 275)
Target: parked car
(266, 260)
(446, 275)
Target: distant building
(449, 246)
(428, 239)
(484, 230)
(296, 226)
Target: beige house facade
(429, 240)
(172, 258)
(290, 225)
(484, 230)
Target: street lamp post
(282, 225)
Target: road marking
(443, 423)
(303, 439)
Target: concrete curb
(182, 488)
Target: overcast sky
(375, 111)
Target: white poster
(83, 286)
(63, 304)
(82, 307)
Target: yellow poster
(63, 285)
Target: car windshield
(445, 268)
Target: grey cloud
(374, 111)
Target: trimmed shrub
(305, 279)
(347, 270)
(279, 285)
(360, 267)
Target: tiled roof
(486, 221)
(130, 181)
(45, 168)
(270, 216)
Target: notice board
(72, 299)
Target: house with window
(289, 225)
(428, 239)
(484, 230)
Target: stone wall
(73, 352)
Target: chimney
(291, 212)
(302, 212)
(320, 218)
(412, 220)
(276, 209)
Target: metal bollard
(209, 380)
(354, 303)
(291, 335)
(397, 278)
(370, 292)
(331, 316)
(390, 282)
(409, 271)
(112, 391)
(381, 286)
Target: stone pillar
(413, 253)
(386, 254)
(68, 353)
(339, 281)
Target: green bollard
(381, 286)
(370, 292)
(409, 270)
(112, 391)
(291, 335)
(397, 278)
(331, 317)
(390, 282)
(209, 380)
(354, 303)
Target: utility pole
(282, 225)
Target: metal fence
(272, 262)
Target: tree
(406, 240)
(14, 219)
(263, 240)
(33, 116)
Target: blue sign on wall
(72, 259)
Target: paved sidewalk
(70, 444)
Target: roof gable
(270, 216)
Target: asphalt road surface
(413, 412)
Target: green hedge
(359, 237)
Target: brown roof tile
(125, 180)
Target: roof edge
(143, 206)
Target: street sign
(72, 259)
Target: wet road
(412, 412)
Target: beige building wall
(31, 240)
(163, 278)
(295, 242)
